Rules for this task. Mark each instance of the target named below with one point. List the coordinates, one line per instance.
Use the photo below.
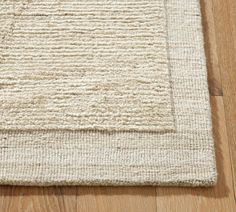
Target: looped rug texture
(104, 93)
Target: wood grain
(225, 16)
(116, 199)
(213, 66)
(220, 39)
(37, 199)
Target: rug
(117, 94)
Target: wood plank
(231, 107)
(40, 199)
(72, 199)
(218, 198)
(116, 199)
(214, 76)
(225, 24)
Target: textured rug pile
(104, 93)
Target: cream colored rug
(104, 93)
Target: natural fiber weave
(184, 157)
(84, 65)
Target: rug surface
(85, 65)
(104, 93)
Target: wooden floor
(220, 36)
